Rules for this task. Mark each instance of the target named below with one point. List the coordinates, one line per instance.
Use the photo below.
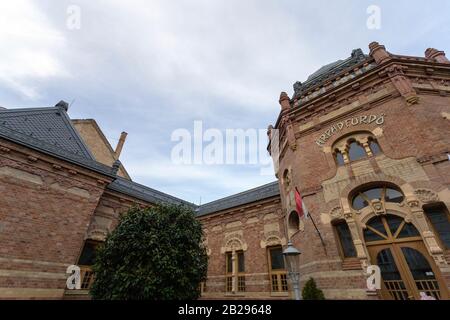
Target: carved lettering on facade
(351, 122)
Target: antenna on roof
(72, 102)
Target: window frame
(281, 274)
(431, 225)
(239, 276)
(339, 242)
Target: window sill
(279, 294)
(237, 294)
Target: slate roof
(329, 71)
(50, 125)
(50, 131)
(249, 196)
(142, 192)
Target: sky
(152, 67)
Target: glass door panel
(390, 275)
(422, 273)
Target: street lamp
(291, 255)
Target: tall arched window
(374, 147)
(339, 158)
(345, 239)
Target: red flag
(301, 207)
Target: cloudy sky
(151, 67)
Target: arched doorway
(406, 267)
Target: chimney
(436, 55)
(378, 52)
(118, 151)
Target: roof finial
(62, 104)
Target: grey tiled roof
(50, 125)
(249, 196)
(50, 131)
(328, 71)
(144, 193)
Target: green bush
(153, 254)
(311, 292)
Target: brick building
(365, 140)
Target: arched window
(439, 218)
(374, 147)
(339, 158)
(357, 146)
(286, 178)
(384, 194)
(356, 151)
(345, 240)
(293, 222)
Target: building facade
(365, 140)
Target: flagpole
(314, 223)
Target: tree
(311, 292)
(153, 254)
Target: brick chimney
(118, 151)
(436, 55)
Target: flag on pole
(301, 207)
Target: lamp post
(291, 255)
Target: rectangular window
(87, 257)
(86, 260)
(238, 277)
(277, 272)
(439, 218)
(346, 240)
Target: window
(87, 256)
(359, 145)
(86, 260)
(356, 151)
(374, 147)
(384, 194)
(439, 219)
(345, 240)
(339, 158)
(237, 277)
(293, 223)
(389, 228)
(277, 272)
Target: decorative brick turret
(284, 101)
(436, 55)
(378, 52)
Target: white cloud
(28, 44)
